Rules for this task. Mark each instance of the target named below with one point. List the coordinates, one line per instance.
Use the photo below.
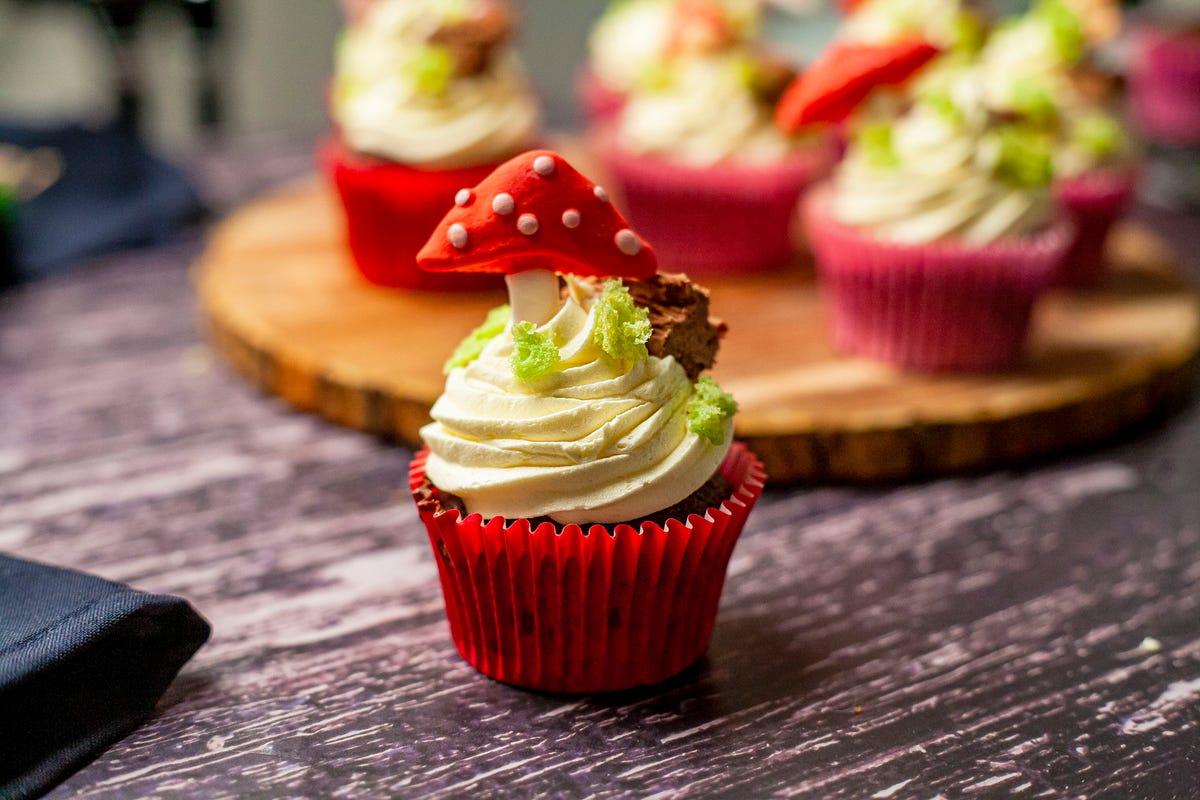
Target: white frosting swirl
(1023, 55)
(628, 40)
(942, 183)
(382, 110)
(882, 21)
(706, 115)
(596, 441)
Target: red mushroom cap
(843, 77)
(536, 211)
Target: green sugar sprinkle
(1034, 101)
(431, 69)
(1098, 134)
(469, 348)
(1065, 27)
(875, 140)
(622, 327)
(1025, 158)
(941, 104)
(534, 354)
(708, 409)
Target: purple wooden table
(1025, 633)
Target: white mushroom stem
(533, 295)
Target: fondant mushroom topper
(536, 215)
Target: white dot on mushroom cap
(571, 218)
(543, 165)
(463, 197)
(601, 194)
(628, 242)
(457, 235)
(527, 224)
(503, 203)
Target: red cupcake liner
(598, 102)
(391, 209)
(935, 307)
(1164, 83)
(558, 609)
(1095, 200)
(725, 219)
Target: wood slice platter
(283, 302)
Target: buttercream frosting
(937, 175)
(597, 440)
(705, 115)
(385, 108)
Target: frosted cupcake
(579, 483)
(702, 170)
(631, 42)
(1037, 66)
(937, 232)
(427, 98)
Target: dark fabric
(82, 663)
(113, 193)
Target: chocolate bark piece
(679, 315)
(679, 318)
(472, 40)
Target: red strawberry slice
(536, 211)
(843, 77)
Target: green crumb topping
(469, 348)
(941, 104)
(534, 354)
(622, 327)
(431, 68)
(875, 141)
(1024, 157)
(1065, 27)
(708, 409)
(969, 34)
(655, 77)
(1034, 101)
(1098, 135)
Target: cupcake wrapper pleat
(724, 219)
(609, 609)
(932, 307)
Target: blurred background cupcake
(695, 157)
(1043, 67)
(938, 230)
(428, 96)
(632, 38)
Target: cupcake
(937, 232)
(428, 97)
(701, 169)
(1164, 80)
(1040, 66)
(634, 38)
(579, 482)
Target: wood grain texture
(972, 637)
(283, 302)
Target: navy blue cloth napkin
(82, 663)
(113, 193)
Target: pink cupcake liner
(560, 609)
(598, 102)
(1164, 82)
(391, 209)
(1095, 200)
(725, 219)
(935, 307)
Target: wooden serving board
(283, 302)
